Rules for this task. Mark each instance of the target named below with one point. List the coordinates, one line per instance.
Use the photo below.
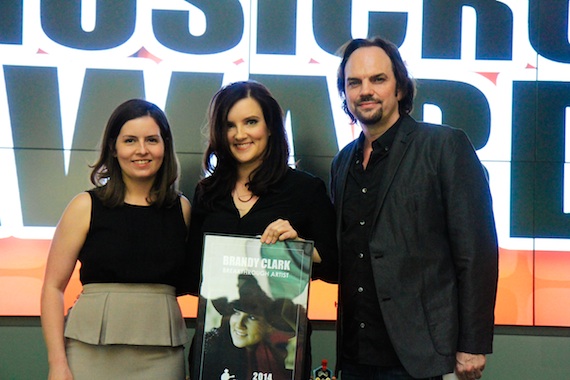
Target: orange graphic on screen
(532, 286)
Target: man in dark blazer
(416, 233)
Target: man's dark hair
(404, 83)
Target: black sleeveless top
(133, 244)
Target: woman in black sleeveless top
(129, 233)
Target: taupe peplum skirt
(126, 331)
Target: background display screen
(500, 70)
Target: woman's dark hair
(404, 83)
(107, 175)
(223, 172)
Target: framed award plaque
(252, 310)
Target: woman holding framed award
(251, 190)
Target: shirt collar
(384, 141)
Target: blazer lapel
(402, 141)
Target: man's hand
(469, 366)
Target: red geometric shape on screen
(40, 51)
(491, 76)
(313, 61)
(238, 62)
(143, 53)
(529, 66)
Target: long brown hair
(106, 173)
(218, 160)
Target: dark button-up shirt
(365, 338)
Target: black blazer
(433, 246)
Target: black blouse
(299, 197)
(134, 244)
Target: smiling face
(371, 88)
(247, 132)
(246, 329)
(139, 149)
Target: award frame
(252, 309)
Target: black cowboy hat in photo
(280, 313)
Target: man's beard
(368, 118)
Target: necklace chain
(243, 198)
